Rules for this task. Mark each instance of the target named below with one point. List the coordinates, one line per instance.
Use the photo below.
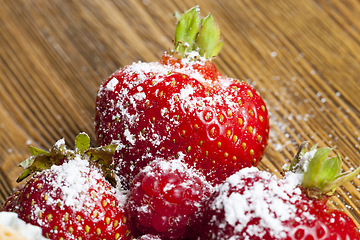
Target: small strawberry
(167, 199)
(255, 205)
(183, 105)
(69, 197)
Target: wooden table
(302, 56)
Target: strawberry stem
(41, 160)
(195, 34)
(320, 172)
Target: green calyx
(195, 34)
(321, 173)
(42, 160)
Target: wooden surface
(303, 56)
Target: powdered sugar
(111, 84)
(75, 179)
(178, 166)
(139, 96)
(268, 199)
(67, 178)
(129, 137)
(172, 165)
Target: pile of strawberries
(179, 146)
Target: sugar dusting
(176, 165)
(71, 178)
(268, 199)
(74, 180)
(111, 84)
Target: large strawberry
(182, 104)
(69, 196)
(255, 205)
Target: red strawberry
(183, 105)
(71, 199)
(167, 199)
(256, 205)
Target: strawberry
(167, 199)
(182, 104)
(69, 196)
(255, 205)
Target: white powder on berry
(112, 84)
(139, 96)
(129, 137)
(267, 199)
(174, 165)
(168, 187)
(67, 178)
(75, 179)
(186, 92)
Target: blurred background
(302, 56)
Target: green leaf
(331, 168)
(36, 151)
(41, 162)
(27, 163)
(347, 177)
(111, 147)
(217, 49)
(314, 147)
(186, 30)
(102, 155)
(82, 143)
(24, 175)
(34, 164)
(314, 168)
(208, 37)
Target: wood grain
(302, 56)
